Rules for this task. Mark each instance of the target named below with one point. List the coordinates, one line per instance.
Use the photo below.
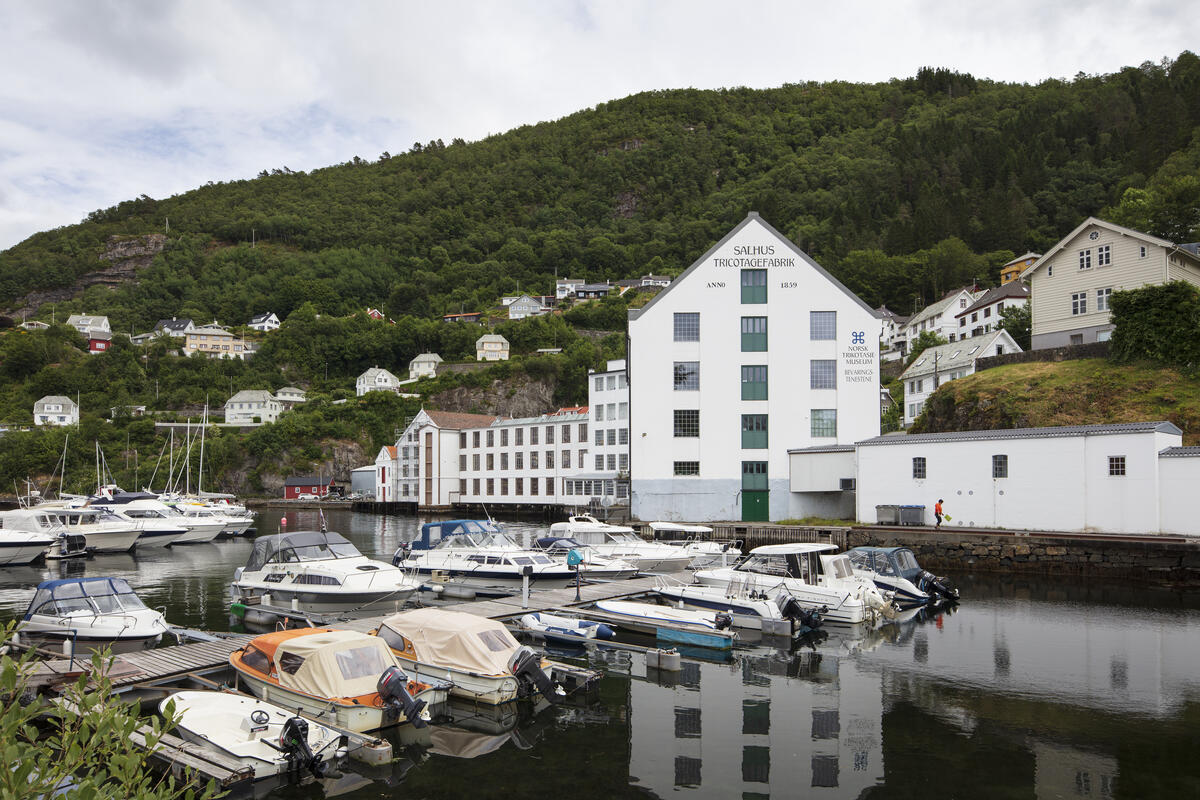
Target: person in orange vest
(937, 512)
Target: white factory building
(753, 350)
(1109, 478)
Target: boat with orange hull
(343, 678)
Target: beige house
(252, 406)
(376, 379)
(54, 409)
(1070, 286)
(424, 366)
(215, 342)
(491, 347)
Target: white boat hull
(841, 606)
(23, 548)
(217, 721)
(110, 541)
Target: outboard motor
(792, 609)
(393, 689)
(526, 665)
(293, 741)
(936, 587)
(401, 553)
(724, 621)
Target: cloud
(105, 100)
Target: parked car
(307, 496)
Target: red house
(295, 486)
(99, 342)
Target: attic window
(919, 363)
(971, 352)
(955, 354)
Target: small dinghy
(264, 737)
(681, 625)
(569, 630)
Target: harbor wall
(1154, 559)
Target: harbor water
(1033, 687)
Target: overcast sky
(105, 100)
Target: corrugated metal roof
(1180, 452)
(829, 448)
(1024, 433)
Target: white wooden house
(54, 409)
(376, 379)
(491, 347)
(947, 362)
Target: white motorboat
(655, 612)
(622, 542)
(477, 553)
(93, 613)
(476, 654)
(565, 630)
(103, 532)
(260, 735)
(24, 547)
(696, 540)
(146, 506)
(592, 562)
(231, 524)
(896, 569)
(319, 572)
(749, 609)
(345, 678)
(812, 574)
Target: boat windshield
(839, 566)
(106, 596)
(299, 546)
(317, 551)
(906, 561)
(766, 565)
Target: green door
(754, 506)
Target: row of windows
(822, 326)
(612, 436)
(612, 382)
(519, 435)
(613, 411)
(754, 473)
(1116, 466)
(1079, 301)
(822, 423)
(518, 461)
(613, 462)
(580, 488)
(1103, 257)
(822, 374)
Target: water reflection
(1032, 688)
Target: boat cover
(681, 528)
(299, 546)
(332, 663)
(66, 594)
(456, 639)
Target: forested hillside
(902, 189)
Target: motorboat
(478, 553)
(231, 524)
(476, 654)
(622, 542)
(260, 735)
(656, 612)
(696, 540)
(895, 569)
(25, 537)
(155, 528)
(345, 678)
(320, 572)
(146, 506)
(563, 630)
(103, 532)
(814, 574)
(753, 610)
(561, 549)
(93, 613)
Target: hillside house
(252, 407)
(473, 317)
(376, 379)
(424, 366)
(947, 362)
(655, 280)
(938, 318)
(1013, 269)
(491, 347)
(891, 324)
(375, 313)
(525, 306)
(264, 322)
(54, 409)
(90, 325)
(983, 316)
(290, 397)
(215, 342)
(1071, 284)
(593, 291)
(565, 287)
(179, 328)
(34, 325)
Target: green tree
(79, 746)
(922, 343)
(1018, 321)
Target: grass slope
(1083, 392)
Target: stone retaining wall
(1169, 560)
